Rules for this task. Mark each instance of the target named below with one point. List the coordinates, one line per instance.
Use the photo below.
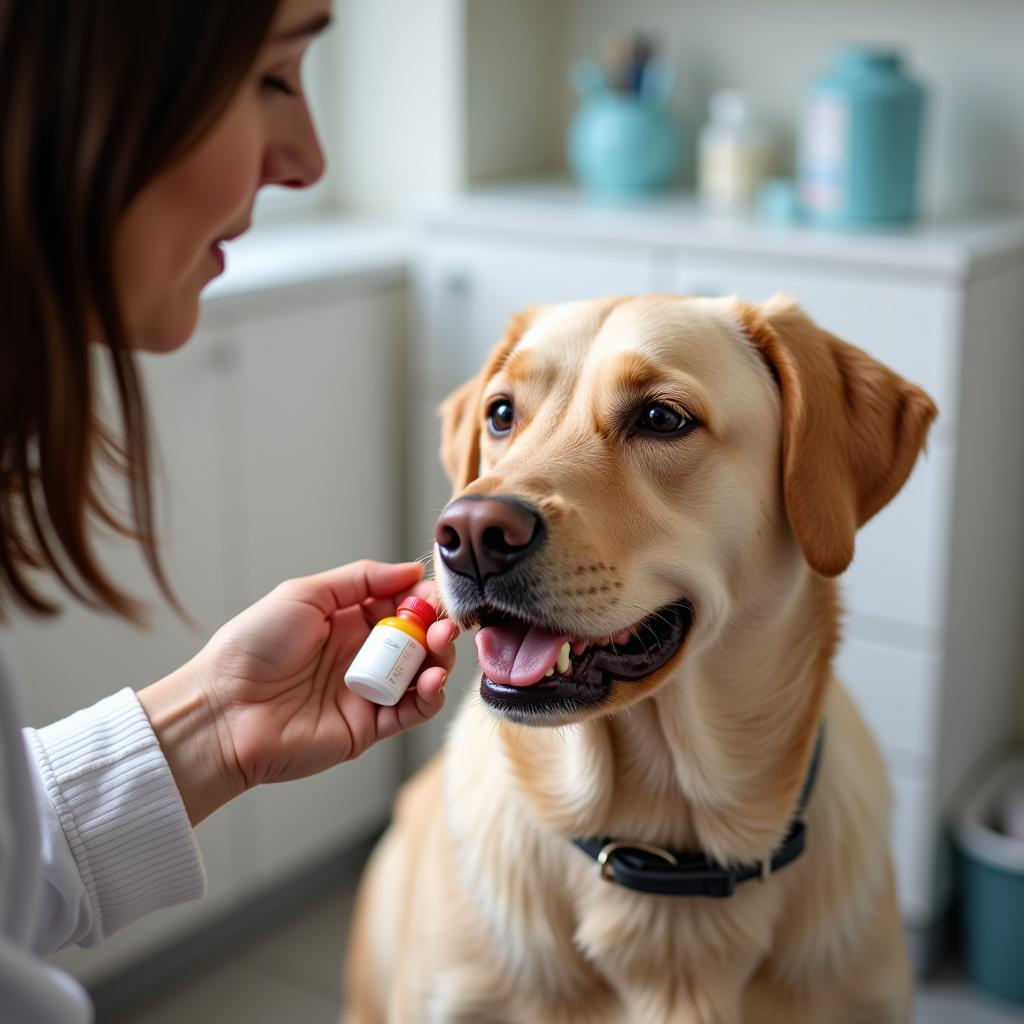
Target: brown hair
(97, 97)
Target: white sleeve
(116, 839)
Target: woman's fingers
(440, 642)
(355, 583)
(429, 689)
(418, 704)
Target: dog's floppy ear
(851, 429)
(460, 433)
(460, 411)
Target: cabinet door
(897, 691)
(312, 480)
(70, 662)
(469, 287)
(915, 823)
(74, 660)
(911, 326)
(899, 569)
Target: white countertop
(328, 252)
(331, 252)
(958, 246)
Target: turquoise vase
(859, 140)
(623, 144)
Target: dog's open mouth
(530, 667)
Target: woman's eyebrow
(311, 28)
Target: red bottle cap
(424, 609)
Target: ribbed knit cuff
(120, 810)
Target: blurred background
(865, 157)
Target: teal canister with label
(859, 140)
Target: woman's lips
(218, 255)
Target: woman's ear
(851, 429)
(461, 413)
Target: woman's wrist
(187, 727)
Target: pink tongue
(515, 654)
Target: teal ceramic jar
(859, 138)
(623, 144)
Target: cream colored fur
(476, 907)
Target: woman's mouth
(218, 255)
(217, 247)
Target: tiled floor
(290, 975)
(293, 974)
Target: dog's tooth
(550, 672)
(563, 658)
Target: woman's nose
(297, 160)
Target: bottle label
(824, 153)
(390, 655)
(728, 175)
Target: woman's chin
(169, 331)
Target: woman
(135, 138)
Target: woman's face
(165, 245)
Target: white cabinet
(279, 433)
(934, 599)
(471, 289)
(313, 425)
(72, 661)
(914, 327)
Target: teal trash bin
(992, 883)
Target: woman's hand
(265, 699)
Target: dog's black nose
(480, 537)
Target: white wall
(396, 136)
(515, 102)
(967, 54)
(434, 94)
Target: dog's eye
(500, 416)
(662, 419)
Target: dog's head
(632, 474)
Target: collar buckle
(606, 869)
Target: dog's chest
(624, 933)
(627, 955)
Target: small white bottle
(732, 155)
(392, 654)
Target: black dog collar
(648, 868)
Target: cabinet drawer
(897, 692)
(908, 325)
(899, 568)
(914, 843)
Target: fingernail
(454, 633)
(444, 679)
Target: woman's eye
(663, 419)
(500, 416)
(278, 85)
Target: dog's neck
(722, 748)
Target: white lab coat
(93, 834)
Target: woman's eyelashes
(277, 84)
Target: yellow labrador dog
(661, 806)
